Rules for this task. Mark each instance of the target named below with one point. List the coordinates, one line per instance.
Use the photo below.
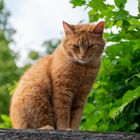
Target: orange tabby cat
(52, 93)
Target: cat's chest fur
(72, 75)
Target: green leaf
(119, 23)
(134, 21)
(93, 18)
(138, 75)
(77, 2)
(103, 127)
(131, 28)
(33, 55)
(116, 111)
(6, 122)
(93, 127)
(1, 5)
(120, 3)
(94, 4)
(92, 119)
(125, 61)
(131, 95)
(5, 118)
(2, 125)
(89, 108)
(128, 97)
(134, 126)
(139, 7)
(135, 75)
(97, 115)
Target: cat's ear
(68, 28)
(99, 28)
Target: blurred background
(31, 29)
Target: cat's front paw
(68, 129)
(47, 127)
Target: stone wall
(12, 134)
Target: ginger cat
(52, 93)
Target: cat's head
(83, 42)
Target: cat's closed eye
(93, 45)
(90, 46)
(76, 46)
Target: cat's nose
(82, 57)
(83, 53)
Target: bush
(114, 102)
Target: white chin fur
(81, 61)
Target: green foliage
(114, 103)
(33, 55)
(8, 69)
(5, 95)
(7, 57)
(6, 122)
(78, 2)
(50, 45)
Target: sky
(38, 20)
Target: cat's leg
(32, 110)
(78, 106)
(76, 113)
(62, 104)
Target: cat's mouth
(84, 61)
(81, 61)
(76, 60)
